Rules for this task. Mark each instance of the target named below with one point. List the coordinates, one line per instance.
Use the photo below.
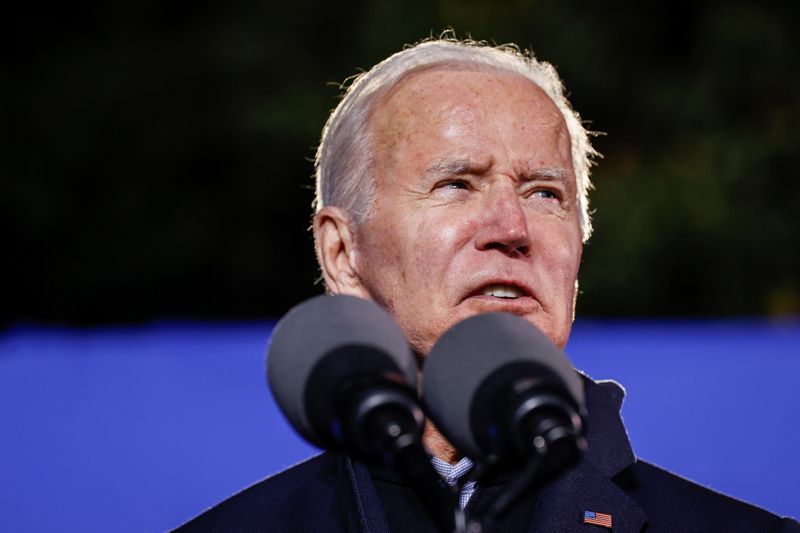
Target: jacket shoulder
(300, 498)
(673, 503)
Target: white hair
(344, 169)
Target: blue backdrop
(137, 429)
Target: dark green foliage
(155, 156)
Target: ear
(334, 237)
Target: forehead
(442, 104)
(475, 84)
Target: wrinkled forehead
(468, 92)
(432, 107)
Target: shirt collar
(451, 473)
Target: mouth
(500, 290)
(503, 294)
(508, 295)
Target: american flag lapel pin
(597, 519)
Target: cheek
(570, 260)
(563, 251)
(398, 253)
(378, 252)
(445, 236)
(440, 232)
(423, 261)
(563, 274)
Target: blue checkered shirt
(451, 475)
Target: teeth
(502, 291)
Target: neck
(437, 445)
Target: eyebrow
(449, 167)
(456, 167)
(546, 174)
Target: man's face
(475, 208)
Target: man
(452, 180)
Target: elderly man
(452, 180)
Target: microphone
(333, 363)
(343, 374)
(503, 394)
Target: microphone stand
(520, 484)
(545, 436)
(384, 421)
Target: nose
(503, 225)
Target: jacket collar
(609, 448)
(560, 505)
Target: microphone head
(325, 341)
(471, 356)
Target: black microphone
(332, 362)
(504, 395)
(343, 374)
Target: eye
(457, 184)
(547, 193)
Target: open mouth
(502, 291)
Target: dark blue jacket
(331, 493)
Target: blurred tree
(156, 155)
